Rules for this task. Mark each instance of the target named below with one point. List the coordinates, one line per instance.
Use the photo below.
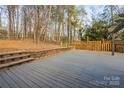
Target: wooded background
(57, 23)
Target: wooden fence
(119, 46)
(99, 45)
(93, 45)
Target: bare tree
(10, 30)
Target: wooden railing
(93, 45)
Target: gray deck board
(8, 79)
(75, 68)
(34, 78)
(3, 83)
(63, 76)
(18, 80)
(24, 79)
(48, 82)
(58, 78)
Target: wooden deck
(74, 69)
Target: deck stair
(13, 58)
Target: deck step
(16, 62)
(14, 57)
(11, 53)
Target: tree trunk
(68, 27)
(10, 22)
(0, 21)
(25, 24)
(74, 34)
(47, 23)
(17, 22)
(112, 14)
(59, 26)
(36, 23)
(56, 33)
(70, 34)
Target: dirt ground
(13, 45)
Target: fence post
(113, 44)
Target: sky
(91, 9)
(94, 10)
